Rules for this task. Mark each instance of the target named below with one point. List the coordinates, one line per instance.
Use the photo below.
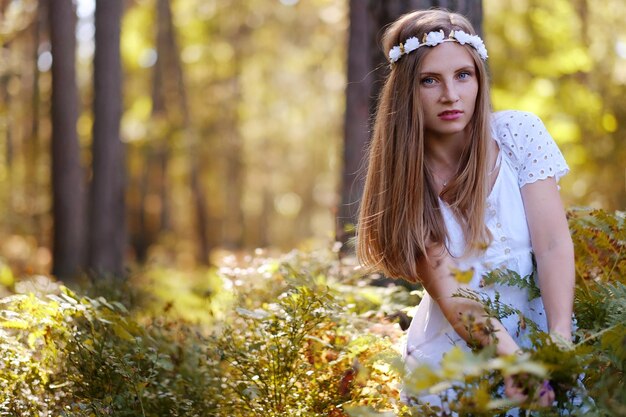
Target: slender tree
(33, 140)
(163, 88)
(67, 174)
(358, 92)
(107, 232)
(149, 220)
(170, 109)
(9, 139)
(192, 144)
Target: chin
(450, 130)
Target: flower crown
(436, 38)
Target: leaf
(33, 336)
(121, 307)
(440, 387)
(529, 367)
(481, 395)
(457, 364)
(122, 333)
(69, 299)
(420, 379)
(367, 411)
(615, 340)
(463, 276)
(14, 324)
(511, 278)
(257, 314)
(6, 276)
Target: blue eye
(464, 75)
(428, 81)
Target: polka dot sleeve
(532, 150)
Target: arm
(554, 252)
(440, 283)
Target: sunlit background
(265, 83)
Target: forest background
(209, 153)
(234, 139)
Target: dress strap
(498, 160)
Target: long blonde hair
(399, 216)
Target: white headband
(436, 38)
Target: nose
(449, 93)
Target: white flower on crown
(461, 37)
(473, 40)
(437, 38)
(411, 44)
(434, 38)
(395, 53)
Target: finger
(512, 391)
(546, 400)
(546, 394)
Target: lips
(450, 115)
(449, 112)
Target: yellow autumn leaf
(421, 378)
(14, 324)
(6, 276)
(463, 276)
(33, 336)
(122, 333)
(482, 396)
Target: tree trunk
(149, 219)
(233, 224)
(471, 9)
(233, 184)
(190, 136)
(356, 121)
(6, 98)
(107, 237)
(159, 111)
(67, 174)
(142, 231)
(33, 150)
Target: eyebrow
(464, 68)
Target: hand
(562, 341)
(544, 396)
(512, 389)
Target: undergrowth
(303, 334)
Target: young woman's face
(448, 86)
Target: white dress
(527, 154)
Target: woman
(453, 189)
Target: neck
(444, 151)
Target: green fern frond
(599, 244)
(513, 279)
(494, 308)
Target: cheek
(473, 90)
(427, 99)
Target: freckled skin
(447, 81)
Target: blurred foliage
(265, 83)
(301, 333)
(298, 334)
(284, 343)
(566, 61)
